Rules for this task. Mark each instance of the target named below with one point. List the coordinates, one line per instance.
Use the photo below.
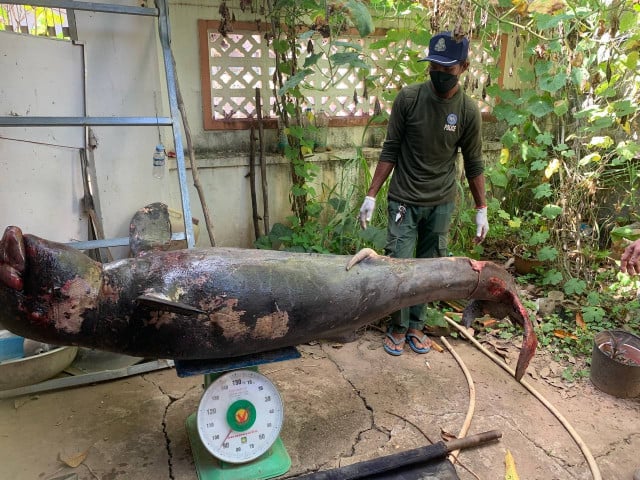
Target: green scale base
(273, 463)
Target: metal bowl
(38, 368)
(615, 363)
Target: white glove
(366, 211)
(482, 224)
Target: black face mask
(443, 82)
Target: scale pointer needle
(225, 438)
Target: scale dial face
(240, 416)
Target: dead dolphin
(224, 302)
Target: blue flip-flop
(396, 342)
(410, 338)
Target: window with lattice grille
(233, 66)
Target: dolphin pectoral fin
(156, 301)
(150, 229)
(361, 256)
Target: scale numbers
(240, 416)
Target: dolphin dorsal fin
(150, 229)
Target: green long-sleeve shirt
(423, 137)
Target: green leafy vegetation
(564, 190)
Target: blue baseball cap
(445, 50)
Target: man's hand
(366, 211)
(482, 225)
(630, 260)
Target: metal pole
(421, 455)
(30, 121)
(164, 28)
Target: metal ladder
(162, 12)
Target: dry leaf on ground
(510, 472)
(74, 461)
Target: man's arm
(387, 160)
(476, 185)
(383, 170)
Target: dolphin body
(218, 303)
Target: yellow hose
(595, 471)
(453, 456)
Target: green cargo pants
(416, 232)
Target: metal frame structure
(86, 378)
(162, 12)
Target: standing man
(429, 122)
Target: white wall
(41, 183)
(227, 185)
(123, 79)
(40, 176)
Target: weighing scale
(234, 434)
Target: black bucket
(615, 363)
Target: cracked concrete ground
(343, 404)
